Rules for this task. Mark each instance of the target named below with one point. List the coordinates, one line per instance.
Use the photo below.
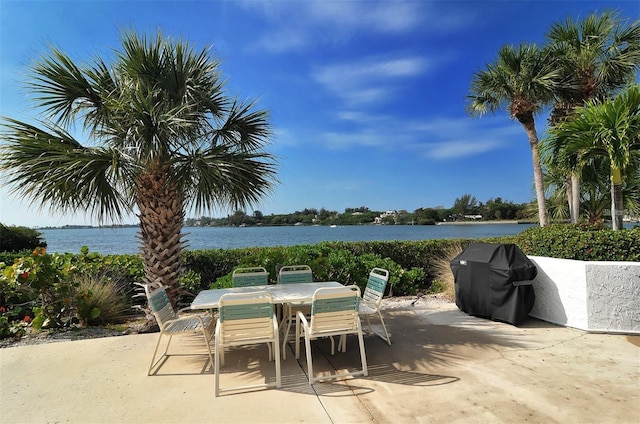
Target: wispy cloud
(452, 149)
(384, 17)
(371, 79)
(317, 22)
(435, 139)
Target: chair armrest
(217, 331)
(303, 318)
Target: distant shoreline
(76, 227)
(483, 222)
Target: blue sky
(366, 98)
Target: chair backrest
(252, 276)
(376, 285)
(335, 309)
(160, 304)
(293, 274)
(246, 316)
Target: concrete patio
(443, 367)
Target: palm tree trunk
(530, 128)
(616, 199)
(161, 220)
(569, 192)
(575, 198)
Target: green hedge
(581, 243)
(329, 262)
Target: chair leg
(207, 341)
(297, 338)
(286, 334)
(368, 323)
(276, 345)
(153, 358)
(384, 328)
(363, 354)
(216, 379)
(342, 343)
(307, 345)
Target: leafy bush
(42, 289)
(213, 263)
(581, 243)
(329, 262)
(42, 281)
(16, 239)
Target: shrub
(102, 299)
(41, 281)
(15, 239)
(444, 280)
(329, 263)
(581, 243)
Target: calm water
(122, 240)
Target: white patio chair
(251, 276)
(171, 324)
(372, 298)
(334, 312)
(292, 274)
(246, 319)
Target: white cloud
(442, 138)
(385, 17)
(460, 148)
(320, 22)
(369, 80)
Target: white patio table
(281, 293)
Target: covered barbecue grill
(494, 281)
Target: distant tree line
(465, 208)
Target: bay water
(124, 241)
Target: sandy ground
(443, 367)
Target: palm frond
(49, 167)
(224, 176)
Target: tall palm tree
(162, 135)
(521, 80)
(610, 129)
(595, 196)
(597, 57)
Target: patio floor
(443, 367)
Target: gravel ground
(137, 326)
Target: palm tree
(465, 205)
(610, 129)
(521, 80)
(595, 196)
(596, 57)
(162, 136)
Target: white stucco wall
(561, 293)
(593, 296)
(613, 296)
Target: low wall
(592, 296)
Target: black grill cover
(493, 281)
